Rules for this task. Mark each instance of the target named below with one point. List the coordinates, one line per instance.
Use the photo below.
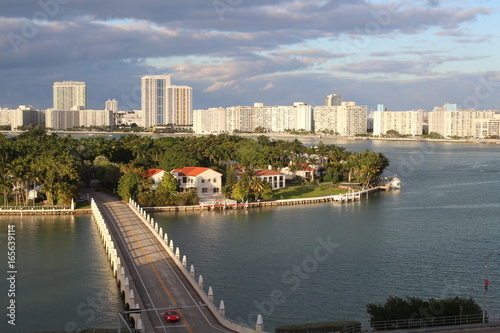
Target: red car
(171, 315)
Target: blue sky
(403, 54)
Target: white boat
(395, 183)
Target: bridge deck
(159, 281)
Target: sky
(406, 55)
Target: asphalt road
(159, 281)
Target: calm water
(64, 281)
(294, 264)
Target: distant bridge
(153, 277)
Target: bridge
(152, 276)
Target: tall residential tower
(70, 95)
(163, 103)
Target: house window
(184, 180)
(215, 180)
(203, 180)
(216, 190)
(204, 190)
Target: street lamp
(486, 282)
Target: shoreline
(334, 198)
(271, 135)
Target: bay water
(291, 264)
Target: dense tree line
(411, 312)
(59, 164)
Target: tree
(59, 177)
(392, 133)
(129, 186)
(167, 189)
(231, 180)
(411, 308)
(251, 188)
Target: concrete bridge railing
(120, 269)
(168, 245)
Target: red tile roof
(267, 172)
(191, 171)
(152, 172)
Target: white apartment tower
(69, 95)
(163, 103)
(404, 122)
(346, 119)
(460, 123)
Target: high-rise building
(346, 119)
(163, 103)
(403, 122)
(111, 105)
(457, 123)
(70, 95)
(180, 105)
(333, 100)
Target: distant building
(447, 107)
(348, 119)
(487, 128)
(22, 116)
(61, 120)
(96, 118)
(127, 118)
(461, 124)
(403, 122)
(5, 117)
(163, 103)
(69, 95)
(333, 100)
(210, 121)
(111, 105)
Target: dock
(226, 205)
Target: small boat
(395, 183)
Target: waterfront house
(273, 177)
(206, 181)
(306, 171)
(156, 175)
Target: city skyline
(405, 54)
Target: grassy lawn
(307, 191)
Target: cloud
(228, 51)
(268, 86)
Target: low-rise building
(306, 171)
(206, 181)
(273, 177)
(156, 175)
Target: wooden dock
(339, 198)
